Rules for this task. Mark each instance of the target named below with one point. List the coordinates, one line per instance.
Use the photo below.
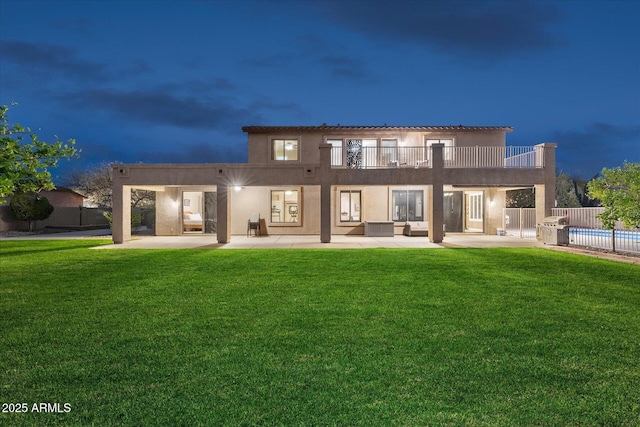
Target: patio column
(546, 193)
(224, 214)
(121, 213)
(325, 213)
(325, 193)
(436, 195)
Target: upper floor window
(285, 149)
(336, 151)
(447, 153)
(371, 153)
(388, 152)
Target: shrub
(31, 207)
(136, 219)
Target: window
(285, 149)
(350, 202)
(371, 153)
(388, 152)
(407, 205)
(285, 206)
(447, 153)
(475, 206)
(336, 151)
(354, 153)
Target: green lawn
(317, 337)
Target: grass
(317, 337)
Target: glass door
(474, 211)
(210, 212)
(192, 210)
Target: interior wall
(193, 200)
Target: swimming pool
(626, 240)
(620, 234)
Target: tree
(566, 196)
(30, 207)
(96, 184)
(523, 198)
(618, 190)
(24, 165)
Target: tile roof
(261, 129)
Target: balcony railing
(420, 157)
(493, 157)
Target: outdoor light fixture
(237, 188)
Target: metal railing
(520, 222)
(493, 157)
(380, 157)
(420, 157)
(584, 217)
(625, 240)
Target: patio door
(210, 212)
(199, 212)
(192, 212)
(474, 211)
(452, 207)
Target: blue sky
(174, 81)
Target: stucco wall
(168, 208)
(259, 144)
(494, 200)
(257, 199)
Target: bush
(136, 219)
(31, 207)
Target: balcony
(454, 157)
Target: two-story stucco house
(329, 180)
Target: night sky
(174, 81)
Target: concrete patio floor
(451, 240)
(313, 241)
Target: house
(329, 180)
(64, 200)
(62, 197)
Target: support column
(546, 192)
(436, 196)
(224, 214)
(325, 192)
(121, 213)
(325, 213)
